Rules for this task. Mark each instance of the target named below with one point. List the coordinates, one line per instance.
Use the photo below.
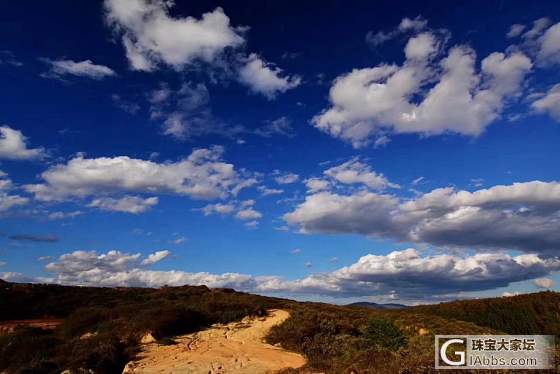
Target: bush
(28, 350)
(383, 333)
(164, 321)
(104, 353)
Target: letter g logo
(461, 354)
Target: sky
(383, 151)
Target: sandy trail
(233, 348)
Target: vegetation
(537, 313)
(102, 327)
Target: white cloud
(265, 191)
(13, 146)
(86, 68)
(116, 268)
(544, 283)
(202, 175)
(415, 24)
(452, 95)
(244, 211)
(218, 208)
(362, 212)
(549, 103)
(316, 184)
(285, 178)
(354, 171)
(264, 78)
(406, 25)
(539, 26)
(179, 240)
(155, 257)
(417, 181)
(522, 216)
(151, 36)
(8, 201)
(515, 30)
(63, 215)
(406, 274)
(549, 52)
(126, 204)
(543, 42)
(248, 214)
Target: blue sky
(388, 151)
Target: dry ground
(233, 348)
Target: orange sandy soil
(233, 348)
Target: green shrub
(383, 333)
(28, 350)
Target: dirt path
(45, 324)
(234, 348)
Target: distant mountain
(365, 304)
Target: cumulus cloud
(542, 41)
(515, 30)
(155, 257)
(285, 178)
(425, 95)
(126, 204)
(549, 51)
(417, 24)
(63, 215)
(316, 184)
(265, 191)
(406, 274)
(544, 283)
(356, 172)
(13, 146)
(248, 214)
(264, 78)
(151, 36)
(218, 208)
(522, 216)
(243, 210)
(202, 175)
(116, 268)
(539, 26)
(549, 103)
(86, 68)
(7, 200)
